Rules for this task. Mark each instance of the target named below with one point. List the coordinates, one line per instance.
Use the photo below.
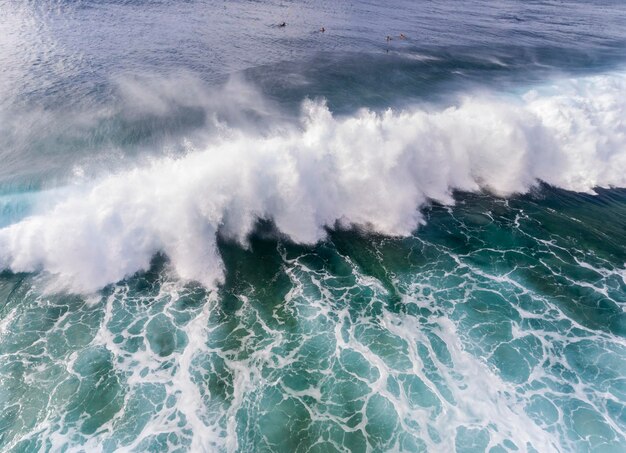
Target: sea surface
(218, 234)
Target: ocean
(404, 233)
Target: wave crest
(372, 169)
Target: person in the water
(282, 24)
(389, 38)
(322, 30)
(402, 36)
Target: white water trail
(371, 170)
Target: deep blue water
(219, 234)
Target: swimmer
(322, 30)
(402, 36)
(282, 24)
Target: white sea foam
(373, 170)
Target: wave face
(372, 170)
(221, 235)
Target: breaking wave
(372, 170)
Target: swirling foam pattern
(498, 327)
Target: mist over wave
(371, 170)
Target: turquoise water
(218, 235)
(498, 326)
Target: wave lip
(372, 170)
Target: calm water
(218, 234)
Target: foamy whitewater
(369, 170)
(222, 235)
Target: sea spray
(372, 170)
